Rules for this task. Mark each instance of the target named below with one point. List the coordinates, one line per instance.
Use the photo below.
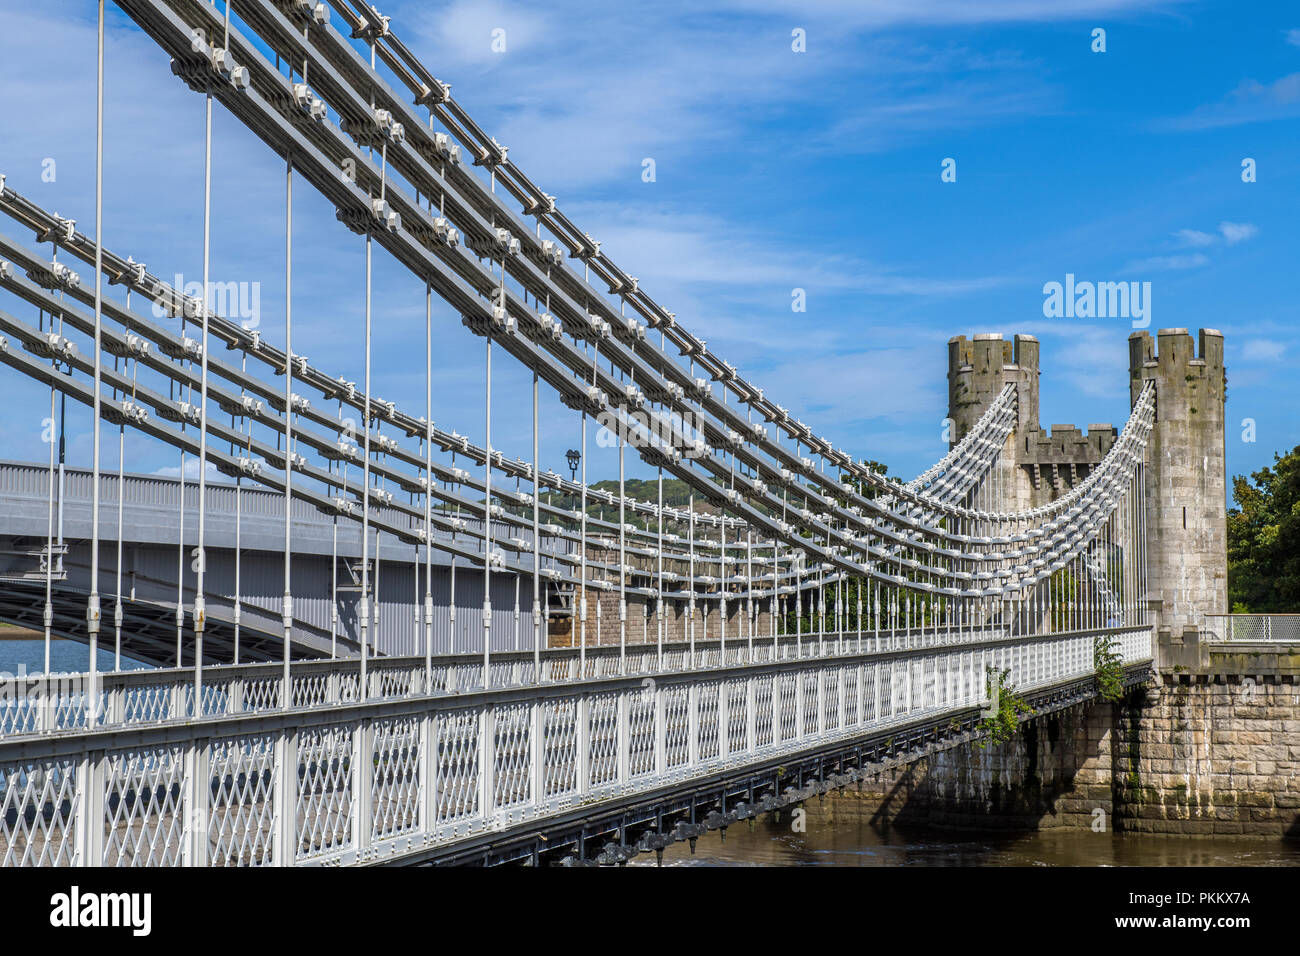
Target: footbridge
(372, 639)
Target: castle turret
(1186, 523)
(1037, 466)
(977, 371)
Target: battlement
(1066, 443)
(1062, 456)
(1186, 529)
(988, 351)
(1175, 349)
(979, 368)
(1184, 459)
(1188, 377)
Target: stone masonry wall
(1185, 755)
(642, 626)
(1212, 755)
(1056, 773)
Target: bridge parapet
(1209, 747)
(424, 776)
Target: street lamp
(574, 456)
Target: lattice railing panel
(641, 733)
(763, 712)
(602, 731)
(810, 701)
(512, 749)
(241, 814)
(457, 765)
(677, 725)
(324, 790)
(144, 807)
(707, 708)
(737, 692)
(560, 746)
(788, 706)
(37, 813)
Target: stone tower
(1038, 465)
(1185, 484)
(977, 371)
(1186, 521)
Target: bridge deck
(410, 775)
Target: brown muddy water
(839, 833)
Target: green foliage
(1109, 668)
(1065, 590)
(860, 485)
(1002, 726)
(1264, 538)
(677, 494)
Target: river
(839, 833)
(26, 655)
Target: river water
(839, 833)
(22, 655)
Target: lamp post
(574, 457)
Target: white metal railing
(35, 704)
(374, 781)
(1257, 628)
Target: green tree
(1264, 538)
(861, 485)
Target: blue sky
(774, 170)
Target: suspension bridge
(376, 640)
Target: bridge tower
(1186, 520)
(1038, 465)
(978, 369)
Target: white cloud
(731, 284)
(890, 120)
(1293, 37)
(191, 470)
(1231, 232)
(1250, 102)
(1235, 232)
(848, 390)
(695, 248)
(1282, 91)
(1262, 350)
(1167, 263)
(1194, 237)
(469, 27)
(585, 92)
